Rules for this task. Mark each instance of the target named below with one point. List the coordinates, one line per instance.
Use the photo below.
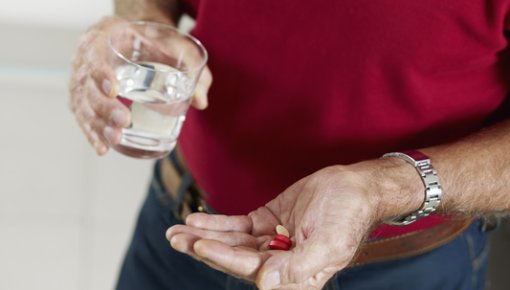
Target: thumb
(199, 100)
(308, 266)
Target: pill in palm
(283, 239)
(282, 231)
(278, 245)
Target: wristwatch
(433, 190)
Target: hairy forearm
(165, 11)
(474, 172)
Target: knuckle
(97, 127)
(80, 106)
(78, 80)
(101, 107)
(86, 128)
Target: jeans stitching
(472, 254)
(476, 260)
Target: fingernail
(271, 281)
(109, 89)
(109, 134)
(99, 147)
(118, 117)
(200, 98)
(101, 150)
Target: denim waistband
(187, 191)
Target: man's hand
(327, 214)
(93, 88)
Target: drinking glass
(157, 68)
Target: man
(306, 98)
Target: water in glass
(158, 97)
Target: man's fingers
(241, 262)
(93, 138)
(238, 261)
(112, 111)
(93, 88)
(97, 131)
(106, 82)
(264, 221)
(91, 127)
(258, 223)
(184, 243)
(229, 238)
(200, 100)
(113, 135)
(223, 223)
(211, 264)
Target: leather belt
(377, 250)
(410, 244)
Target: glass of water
(157, 68)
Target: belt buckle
(190, 204)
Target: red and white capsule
(281, 241)
(278, 245)
(281, 230)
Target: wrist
(148, 10)
(395, 185)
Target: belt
(410, 244)
(179, 184)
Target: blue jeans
(151, 264)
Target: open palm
(326, 213)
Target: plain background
(66, 215)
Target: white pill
(282, 231)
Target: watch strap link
(428, 175)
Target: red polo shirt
(300, 85)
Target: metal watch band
(433, 190)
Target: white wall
(66, 215)
(66, 13)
